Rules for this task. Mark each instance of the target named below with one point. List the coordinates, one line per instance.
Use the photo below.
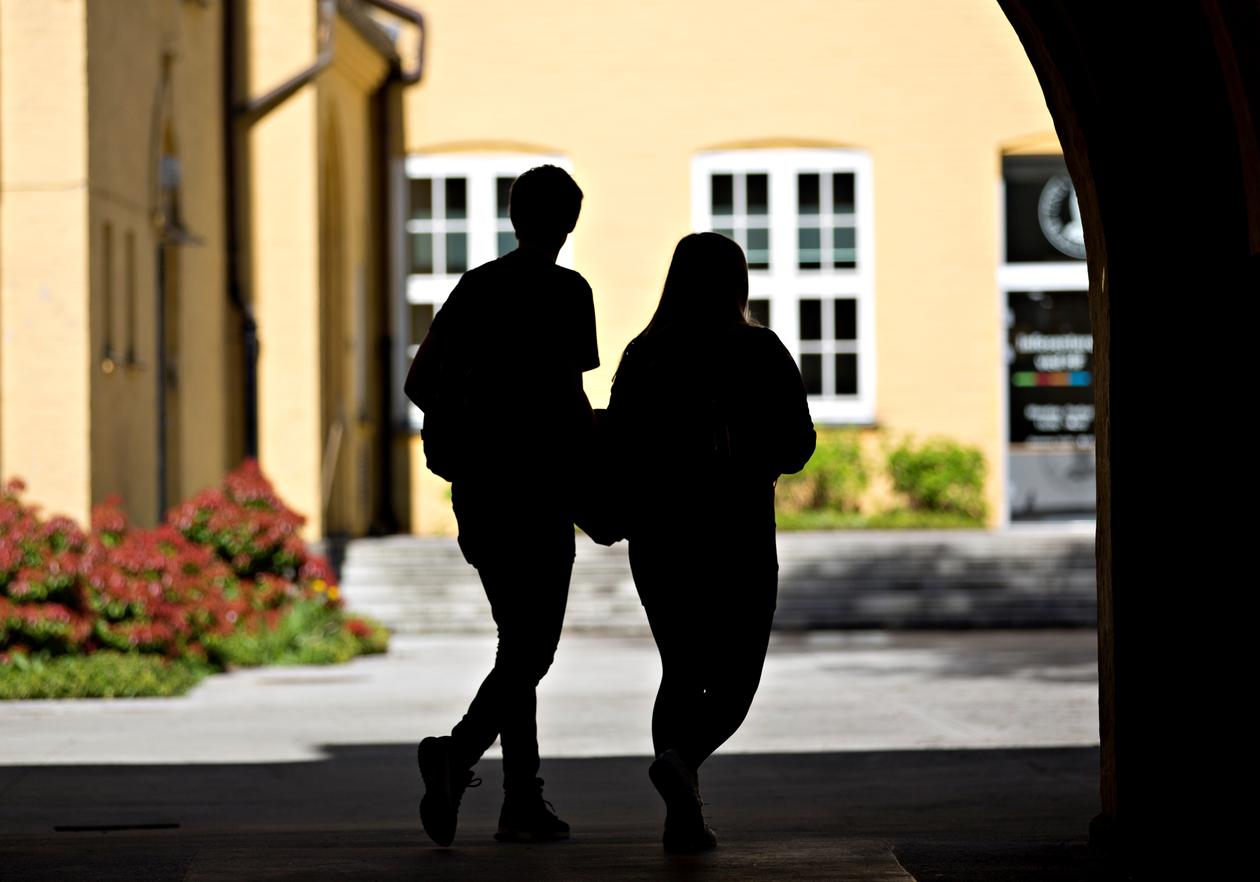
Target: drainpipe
(240, 113)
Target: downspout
(240, 113)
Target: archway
(1138, 95)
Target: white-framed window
(805, 218)
(454, 216)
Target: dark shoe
(688, 835)
(444, 786)
(685, 828)
(527, 817)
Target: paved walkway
(866, 756)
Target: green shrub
(833, 480)
(939, 475)
(307, 634)
(104, 674)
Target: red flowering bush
(43, 604)
(250, 528)
(226, 579)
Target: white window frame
(482, 225)
(784, 284)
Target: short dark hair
(544, 203)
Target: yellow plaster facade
(93, 96)
(45, 380)
(113, 248)
(933, 96)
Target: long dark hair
(706, 288)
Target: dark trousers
(525, 565)
(710, 611)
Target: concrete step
(895, 579)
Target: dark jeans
(710, 610)
(525, 564)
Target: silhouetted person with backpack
(499, 378)
(707, 410)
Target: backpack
(435, 386)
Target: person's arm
(421, 384)
(586, 348)
(793, 427)
(424, 379)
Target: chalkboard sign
(1050, 353)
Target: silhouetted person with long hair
(707, 410)
(499, 378)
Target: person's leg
(671, 620)
(712, 630)
(528, 595)
(738, 635)
(677, 713)
(525, 571)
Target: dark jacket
(703, 427)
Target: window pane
(723, 194)
(807, 194)
(758, 194)
(456, 199)
(811, 319)
(730, 234)
(844, 240)
(421, 199)
(456, 252)
(421, 318)
(846, 320)
(759, 311)
(842, 193)
(758, 248)
(846, 374)
(809, 241)
(507, 242)
(503, 191)
(422, 253)
(811, 373)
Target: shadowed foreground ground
(959, 756)
(929, 815)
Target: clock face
(1059, 215)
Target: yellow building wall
(44, 353)
(632, 95)
(135, 115)
(349, 141)
(284, 198)
(92, 95)
(325, 125)
(209, 325)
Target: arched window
(805, 219)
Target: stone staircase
(1040, 577)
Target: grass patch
(900, 519)
(308, 634)
(105, 674)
